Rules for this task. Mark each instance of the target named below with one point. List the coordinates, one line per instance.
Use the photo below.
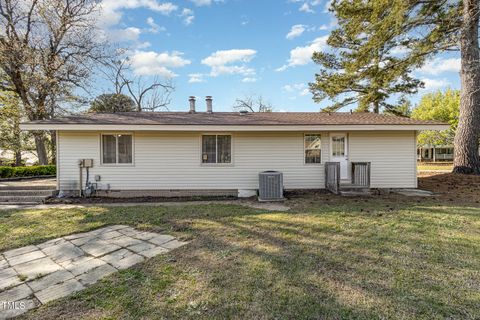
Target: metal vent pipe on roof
(192, 104)
(209, 99)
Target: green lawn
(434, 166)
(329, 258)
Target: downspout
(81, 179)
(57, 159)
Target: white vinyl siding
(392, 156)
(174, 160)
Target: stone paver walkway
(36, 274)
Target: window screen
(109, 147)
(216, 149)
(117, 148)
(313, 148)
(338, 146)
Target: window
(338, 146)
(216, 149)
(313, 148)
(117, 149)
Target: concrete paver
(16, 293)
(22, 258)
(36, 274)
(122, 259)
(174, 244)
(3, 263)
(96, 274)
(50, 280)
(161, 239)
(19, 251)
(59, 291)
(140, 247)
(150, 253)
(84, 265)
(63, 251)
(125, 241)
(16, 308)
(99, 248)
(37, 268)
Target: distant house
(222, 153)
(435, 153)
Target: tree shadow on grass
(334, 262)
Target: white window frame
(116, 164)
(305, 149)
(216, 164)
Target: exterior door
(338, 147)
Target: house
(435, 153)
(222, 153)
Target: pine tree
(421, 28)
(361, 68)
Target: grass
(329, 258)
(431, 166)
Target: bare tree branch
(252, 104)
(149, 94)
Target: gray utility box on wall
(270, 186)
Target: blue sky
(234, 48)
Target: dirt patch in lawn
(452, 187)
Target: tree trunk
(53, 144)
(41, 148)
(466, 158)
(18, 158)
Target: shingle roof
(234, 118)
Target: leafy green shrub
(13, 172)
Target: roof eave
(232, 128)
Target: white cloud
(333, 23)
(327, 6)
(143, 45)
(195, 78)
(399, 50)
(304, 92)
(200, 3)
(127, 34)
(307, 4)
(152, 63)
(300, 56)
(249, 79)
(440, 65)
(296, 88)
(188, 16)
(230, 62)
(243, 70)
(296, 31)
(293, 87)
(154, 28)
(305, 7)
(111, 9)
(434, 84)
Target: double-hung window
(117, 149)
(216, 148)
(313, 148)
